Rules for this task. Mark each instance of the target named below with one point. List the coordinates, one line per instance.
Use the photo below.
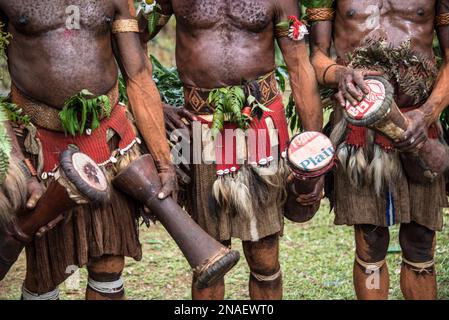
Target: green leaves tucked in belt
(231, 104)
(82, 110)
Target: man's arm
(302, 77)
(34, 189)
(420, 119)
(144, 98)
(349, 82)
(439, 99)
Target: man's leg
(265, 281)
(371, 278)
(105, 278)
(418, 276)
(215, 292)
(29, 289)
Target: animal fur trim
(232, 192)
(378, 167)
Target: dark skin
(50, 62)
(221, 43)
(236, 41)
(395, 21)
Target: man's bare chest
(376, 11)
(253, 15)
(34, 17)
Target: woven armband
(125, 25)
(442, 20)
(320, 14)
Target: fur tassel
(232, 193)
(343, 155)
(375, 171)
(13, 193)
(393, 167)
(338, 133)
(383, 170)
(246, 191)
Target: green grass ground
(316, 258)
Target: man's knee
(417, 242)
(371, 243)
(105, 275)
(263, 258)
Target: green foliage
(123, 95)
(5, 146)
(13, 112)
(153, 19)
(4, 38)
(83, 108)
(168, 83)
(4, 42)
(228, 101)
(444, 118)
(317, 3)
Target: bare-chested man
(386, 27)
(231, 43)
(57, 49)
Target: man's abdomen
(211, 60)
(53, 68)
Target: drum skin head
(374, 106)
(310, 154)
(85, 174)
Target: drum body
(78, 180)
(310, 155)
(209, 259)
(379, 112)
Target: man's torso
(393, 20)
(60, 47)
(221, 43)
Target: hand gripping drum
(310, 155)
(379, 112)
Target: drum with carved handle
(379, 112)
(78, 180)
(209, 259)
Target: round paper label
(310, 151)
(371, 103)
(89, 171)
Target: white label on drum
(371, 103)
(89, 171)
(311, 151)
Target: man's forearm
(304, 85)
(307, 98)
(146, 105)
(327, 70)
(439, 99)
